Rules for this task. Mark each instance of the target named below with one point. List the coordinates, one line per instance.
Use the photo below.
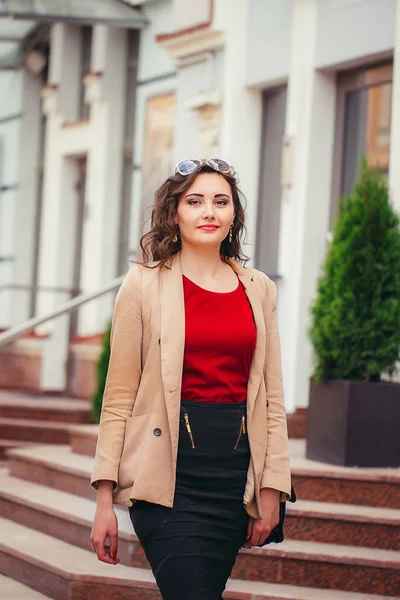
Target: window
(363, 126)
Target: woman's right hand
(105, 526)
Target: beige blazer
(143, 390)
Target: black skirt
(192, 547)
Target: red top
(219, 344)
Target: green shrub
(355, 328)
(101, 369)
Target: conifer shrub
(355, 318)
(101, 370)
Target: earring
(230, 234)
(175, 238)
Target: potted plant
(353, 416)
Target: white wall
(190, 15)
(192, 81)
(348, 32)
(241, 109)
(354, 30)
(268, 46)
(154, 61)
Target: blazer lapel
(172, 339)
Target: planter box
(354, 423)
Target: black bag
(276, 536)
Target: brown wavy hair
(157, 244)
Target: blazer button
(157, 431)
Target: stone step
(63, 515)
(345, 485)
(83, 439)
(346, 524)
(62, 469)
(22, 406)
(39, 432)
(319, 564)
(13, 590)
(55, 466)
(52, 511)
(64, 572)
(331, 566)
(6, 445)
(297, 423)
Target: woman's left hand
(259, 529)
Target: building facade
(290, 92)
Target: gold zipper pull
(242, 430)
(186, 417)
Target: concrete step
(13, 590)
(55, 512)
(83, 439)
(22, 406)
(39, 432)
(323, 482)
(65, 572)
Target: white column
(241, 109)
(305, 204)
(394, 171)
(27, 198)
(64, 68)
(59, 205)
(104, 178)
(59, 193)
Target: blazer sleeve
(123, 377)
(276, 473)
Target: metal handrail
(18, 330)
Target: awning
(89, 12)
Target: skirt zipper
(186, 417)
(242, 430)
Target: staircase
(343, 534)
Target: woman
(193, 435)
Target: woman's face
(205, 211)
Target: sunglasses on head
(185, 167)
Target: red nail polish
(113, 554)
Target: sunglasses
(185, 167)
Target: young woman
(193, 435)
